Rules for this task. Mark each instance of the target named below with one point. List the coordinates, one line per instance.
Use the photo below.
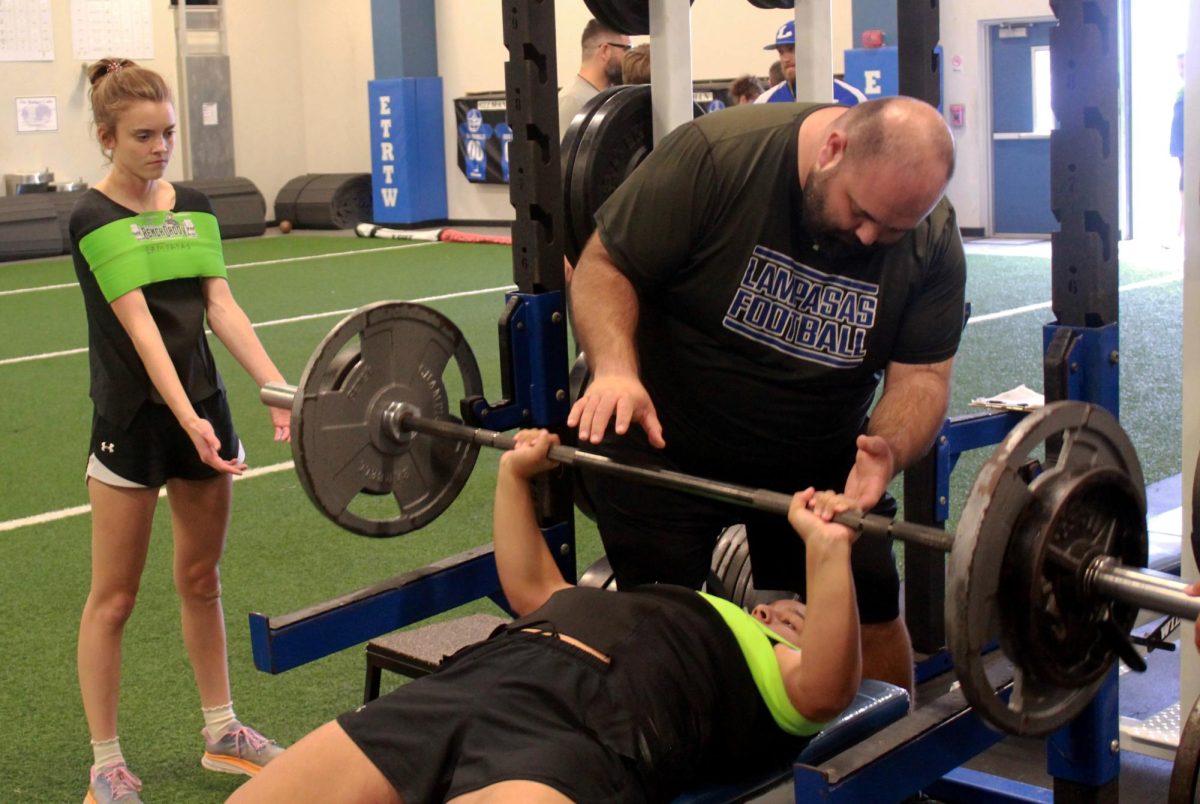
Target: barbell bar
(1104, 576)
(1046, 559)
(401, 419)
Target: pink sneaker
(113, 783)
(240, 750)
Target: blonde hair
(118, 83)
(635, 66)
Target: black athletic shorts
(656, 535)
(517, 707)
(155, 447)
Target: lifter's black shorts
(517, 707)
(658, 535)
(155, 448)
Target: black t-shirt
(689, 711)
(119, 382)
(762, 354)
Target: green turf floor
(282, 555)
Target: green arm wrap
(153, 247)
(757, 644)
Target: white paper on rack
(1019, 398)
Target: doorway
(1158, 34)
(1019, 84)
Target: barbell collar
(277, 395)
(1106, 577)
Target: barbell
(1047, 559)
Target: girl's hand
(282, 419)
(208, 447)
(529, 457)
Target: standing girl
(149, 261)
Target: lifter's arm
(604, 308)
(528, 574)
(822, 678)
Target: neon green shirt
(128, 254)
(757, 642)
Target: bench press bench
(419, 651)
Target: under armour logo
(107, 446)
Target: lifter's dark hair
(116, 84)
(746, 86)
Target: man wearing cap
(747, 289)
(785, 91)
(599, 69)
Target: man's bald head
(874, 171)
(910, 135)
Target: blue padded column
(408, 146)
(404, 35)
(408, 150)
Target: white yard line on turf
(277, 322)
(80, 510)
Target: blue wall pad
(404, 33)
(874, 71)
(408, 155)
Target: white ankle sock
(217, 719)
(106, 752)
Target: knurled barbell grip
(761, 499)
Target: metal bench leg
(371, 688)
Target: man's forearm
(604, 308)
(911, 411)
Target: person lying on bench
(592, 695)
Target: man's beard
(835, 243)
(613, 72)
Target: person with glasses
(599, 69)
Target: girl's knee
(112, 609)
(199, 583)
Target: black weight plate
(1090, 439)
(630, 17)
(1195, 538)
(568, 151)
(619, 15)
(378, 356)
(618, 137)
(599, 575)
(730, 554)
(1053, 628)
(1186, 773)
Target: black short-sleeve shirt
(758, 349)
(119, 382)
